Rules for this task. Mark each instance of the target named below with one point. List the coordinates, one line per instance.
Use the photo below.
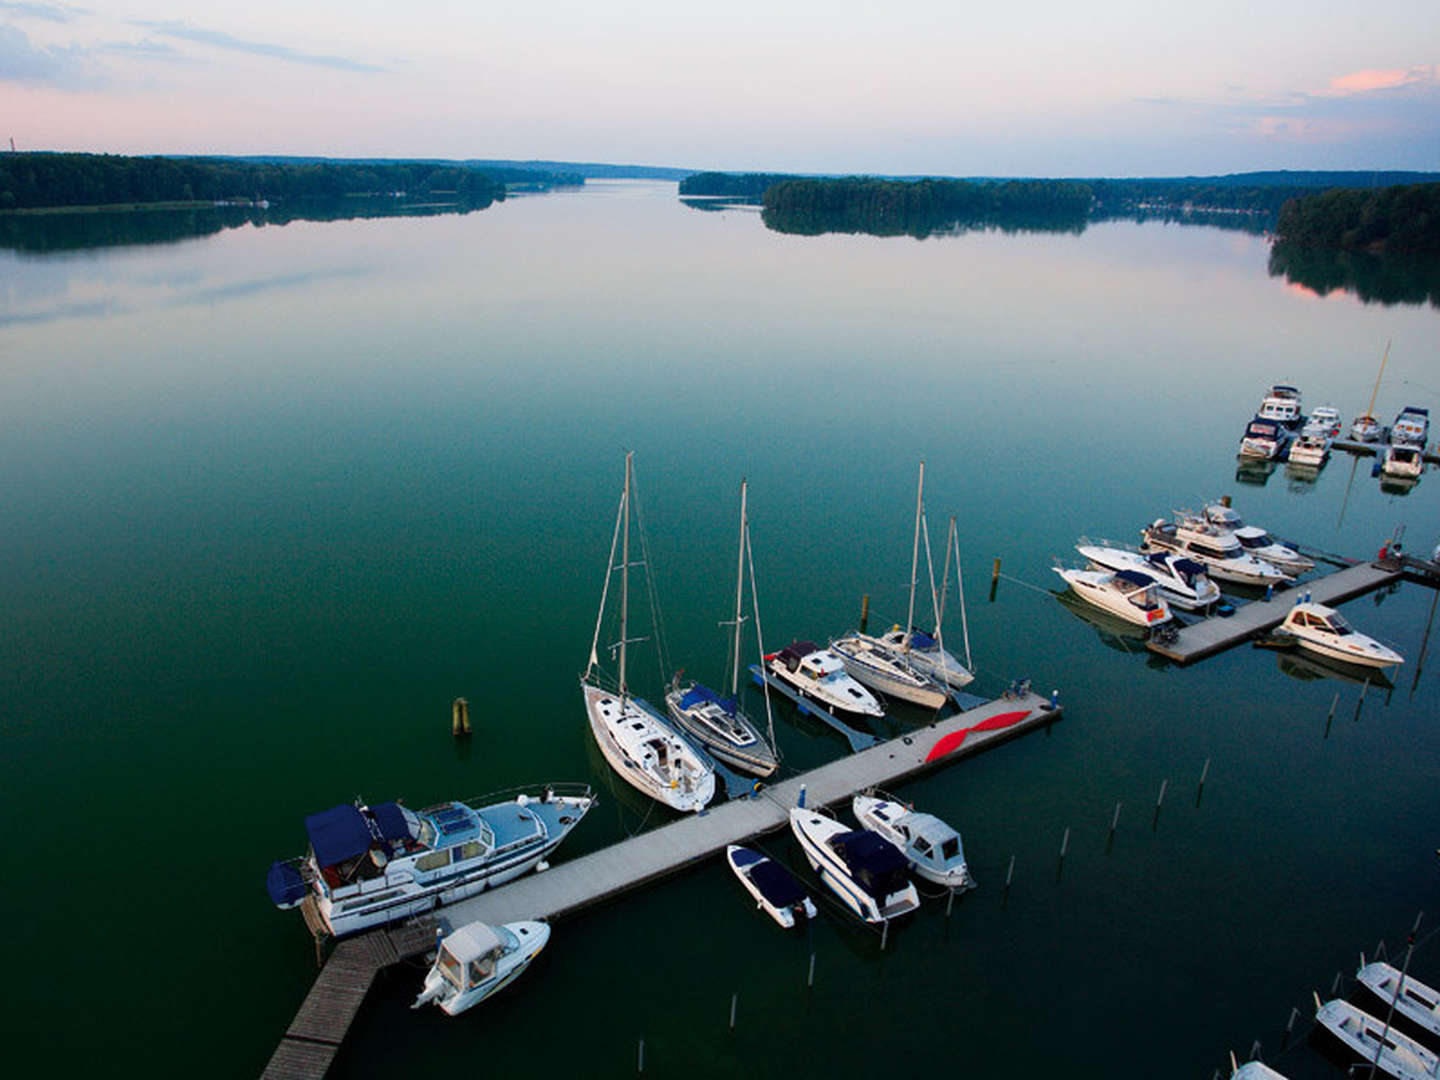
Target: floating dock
(1374, 449)
(1215, 634)
(315, 1035)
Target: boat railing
(536, 792)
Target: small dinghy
(774, 888)
(1324, 631)
(477, 960)
(863, 870)
(1415, 1001)
(932, 847)
(1399, 1055)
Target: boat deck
(310, 1043)
(1217, 633)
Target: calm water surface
(273, 497)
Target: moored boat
(1252, 1070)
(819, 675)
(367, 866)
(1412, 999)
(933, 849)
(1411, 427)
(1182, 581)
(1394, 1052)
(1324, 631)
(1310, 449)
(875, 664)
(1281, 404)
(774, 888)
(1365, 428)
(1324, 421)
(1215, 549)
(866, 872)
(475, 961)
(1403, 461)
(1130, 594)
(1256, 541)
(1264, 439)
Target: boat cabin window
(469, 851)
(482, 969)
(922, 846)
(1263, 540)
(433, 861)
(1210, 552)
(1336, 623)
(450, 968)
(950, 848)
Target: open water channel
(273, 497)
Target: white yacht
(1130, 594)
(1413, 1000)
(1324, 631)
(866, 872)
(637, 741)
(1324, 421)
(819, 674)
(774, 888)
(875, 664)
(933, 849)
(1402, 461)
(1411, 427)
(1366, 428)
(1218, 551)
(1398, 1055)
(1310, 449)
(1182, 582)
(372, 865)
(1256, 541)
(477, 960)
(1264, 439)
(1281, 404)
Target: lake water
(275, 496)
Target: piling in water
(864, 611)
(810, 979)
(460, 717)
(994, 578)
(1065, 843)
(640, 1058)
(1010, 873)
(734, 1000)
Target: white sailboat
(718, 722)
(636, 740)
(1412, 999)
(1393, 1052)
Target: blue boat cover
(872, 861)
(338, 834)
(1135, 577)
(391, 820)
(701, 695)
(776, 884)
(921, 640)
(284, 884)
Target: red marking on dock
(950, 743)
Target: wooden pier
(315, 1035)
(1217, 633)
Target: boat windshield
(1252, 542)
(450, 968)
(1339, 625)
(950, 848)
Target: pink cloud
(1371, 79)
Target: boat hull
(754, 757)
(871, 663)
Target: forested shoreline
(1394, 220)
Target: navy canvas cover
(921, 640)
(391, 821)
(338, 834)
(872, 861)
(284, 884)
(1135, 577)
(776, 884)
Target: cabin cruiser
(866, 872)
(1281, 404)
(774, 888)
(1130, 594)
(1324, 631)
(1323, 420)
(1411, 427)
(372, 865)
(1403, 462)
(1366, 429)
(718, 723)
(1413, 1000)
(1256, 541)
(1395, 1052)
(923, 651)
(477, 960)
(1181, 581)
(819, 674)
(933, 848)
(1264, 439)
(872, 662)
(1309, 449)
(1217, 550)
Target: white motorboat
(1418, 1003)
(718, 722)
(1183, 582)
(1281, 404)
(1215, 549)
(639, 743)
(1411, 427)
(1256, 541)
(1365, 428)
(368, 866)
(1323, 421)
(1324, 631)
(866, 872)
(875, 664)
(1403, 462)
(1396, 1053)
(933, 849)
(774, 888)
(1310, 449)
(819, 674)
(1130, 594)
(1252, 1070)
(1264, 439)
(477, 960)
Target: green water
(274, 497)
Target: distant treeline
(735, 185)
(31, 181)
(1395, 220)
(922, 207)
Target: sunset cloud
(1369, 80)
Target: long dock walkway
(315, 1035)
(1215, 634)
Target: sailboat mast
(625, 572)
(739, 596)
(915, 556)
(1375, 393)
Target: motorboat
(1403, 461)
(1256, 541)
(865, 871)
(1264, 439)
(1183, 582)
(1324, 631)
(1309, 449)
(638, 742)
(774, 888)
(716, 721)
(1365, 428)
(1281, 404)
(875, 664)
(1323, 420)
(1214, 548)
(478, 959)
(1412, 999)
(932, 848)
(1411, 427)
(367, 866)
(1130, 594)
(1393, 1051)
(819, 674)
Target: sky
(1043, 88)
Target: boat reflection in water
(1301, 478)
(1398, 485)
(1114, 632)
(1305, 667)
(1254, 471)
